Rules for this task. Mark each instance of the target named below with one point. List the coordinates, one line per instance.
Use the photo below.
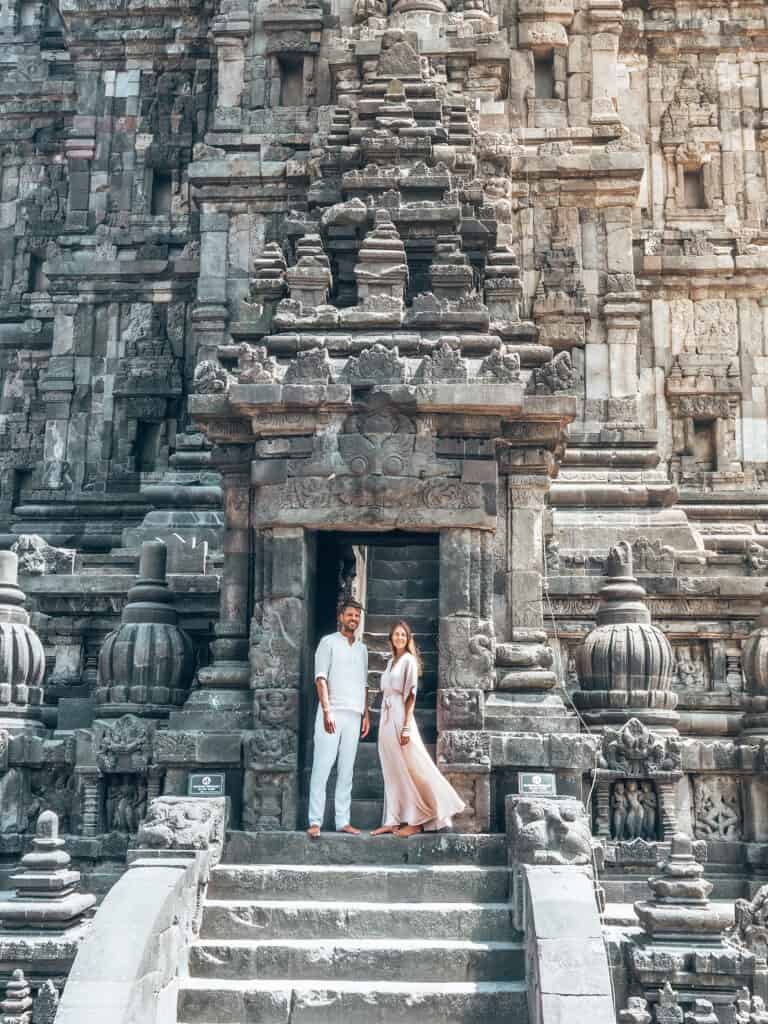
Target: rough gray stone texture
(357, 941)
(567, 964)
(128, 966)
(276, 277)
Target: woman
(416, 796)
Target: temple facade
(454, 306)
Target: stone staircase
(357, 930)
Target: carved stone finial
(22, 658)
(625, 661)
(680, 904)
(46, 1004)
(47, 887)
(148, 660)
(17, 1006)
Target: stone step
(415, 610)
(353, 1002)
(278, 919)
(403, 588)
(379, 553)
(347, 960)
(377, 622)
(380, 571)
(377, 883)
(337, 850)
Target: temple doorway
(394, 576)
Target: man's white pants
(329, 746)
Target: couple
(416, 796)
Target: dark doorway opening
(394, 576)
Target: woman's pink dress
(415, 793)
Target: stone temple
(460, 308)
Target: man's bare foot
(408, 830)
(385, 830)
(313, 831)
(350, 830)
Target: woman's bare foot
(385, 830)
(350, 830)
(409, 830)
(313, 831)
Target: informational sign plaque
(536, 784)
(208, 784)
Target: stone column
(210, 314)
(279, 658)
(465, 669)
(606, 18)
(525, 660)
(221, 702)
(91, 800)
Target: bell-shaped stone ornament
(754, 663)
(22, 659)
(147, 663)
(625, 663)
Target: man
(341, 677)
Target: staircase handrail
(128, 967)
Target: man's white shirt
(345, 666)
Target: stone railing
(127, 968)
(566, 964)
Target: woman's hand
(405, 737)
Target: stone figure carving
(635, 750)
(635, 1012)
(668, 1010)
(650, 810)
(634, 811)
(548, 831)
(559, 374)
(211, 379)
(444, 366)
(375, 365)
(254, 365)
(750, 928)
(46, 1004)
(311, 367)
(184, 823)
(127, 741)
(689, 674)
(500, 367)
(125, 803)
(39, 558)
(749, 1009)
(618, 810)
(52, 789)
(717, 810)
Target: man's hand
(366, 726)
(329, 722)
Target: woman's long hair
(410, 643)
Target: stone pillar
(602, 824)
(221, 702)
(606, 18)
(279, 658)
(525, 661)
(230, 32)
(91, 800)
(465, 669)
(210, 314)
